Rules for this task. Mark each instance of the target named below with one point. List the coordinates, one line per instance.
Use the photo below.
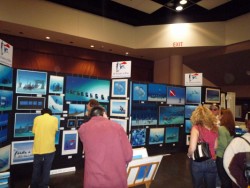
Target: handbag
(202, 151)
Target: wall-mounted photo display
(138, 137)
(56, 84)
(6, 76)
(77, 110)
(140, 92)
(119, 87)
(23, 124)
(71, 123)
(172, 134)
(30, 103)
(5, 158)
(31, 82)
(6, 99)
(21, 152)
(118, 108)
(157, 92)
(156, 136)
(188, 126)
(55, 103)
(176, 95)
(4, 119)
(144, 114)
(171, 115)
(212, 95)
(84, 89)
(193, 95)
(70, 142)
(122, 122)
(189, 110)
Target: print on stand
(70, 142)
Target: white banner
(193, 79)
(6, 53)
(121, 69)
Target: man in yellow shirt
(44, 129)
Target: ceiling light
(92, 46)
(126, 53)
(183, 2)
(47, 38)
(179, 8)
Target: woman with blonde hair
(203, 129)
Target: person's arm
(193, 141)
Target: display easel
(142, 169)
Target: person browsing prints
(107, 151)
(44, 128)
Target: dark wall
(47, 56)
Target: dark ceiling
(224, 69)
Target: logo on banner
(121, 69)
(6, 52)
(193, 79)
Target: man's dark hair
(97, 111)
(93, 103)
(46, 111)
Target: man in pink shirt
(107, 151)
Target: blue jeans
(41, 170)
(204, 173)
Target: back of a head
(227, 120)
(46, 111)
(97, 111)
(93, 103)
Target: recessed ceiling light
(47, 38)
(183, 2)
(92, 46)
(179, 8)
(126, 53)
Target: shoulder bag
(202, 151)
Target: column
(175, 70)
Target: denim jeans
(204, 173)
(41, 170)
(225, 180)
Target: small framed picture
(118, 108)
(119, 87)
(79, 122)
(71, 123)
(212, 95)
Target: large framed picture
(157, 92)
(156, 136)
(140, 92)
(21, 152)
(175, 95)
(119, 87)
(5, 158)
(6, 76)
(193, 95)
(31, 82)
(70, 142)
(6, 100)
(212, 95)
(56, 84)
(118, 108)
(171, 115)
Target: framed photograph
(70, 142)
(212, 95)
(5, 158)
(122, 122)
(172, 134)
(56, 84)
(79, 122)
(157, 92)
(138, 137)
(55, 103)
(156, 136)
(189, 110)
(144, 114)
(188, 126)
(23, 124)
(118, 108)
(21, 152)
(140, 92)
(119, 87)
(6, 100)
(176, 95)
(4, 119)
(31, 82)
(84, 89)
(77, 110)
(6, 76)
(71, 123)
(30, 103)
(171, 115)
(193, 95)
